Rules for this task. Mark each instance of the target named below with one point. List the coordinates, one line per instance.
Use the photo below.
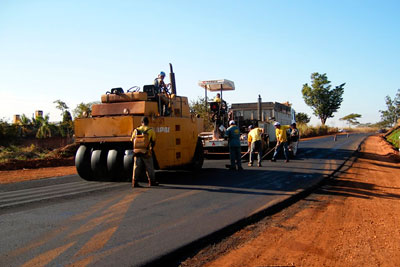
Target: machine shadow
(248, 181)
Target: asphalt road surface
(67, 221)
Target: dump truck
(263, 115)
(259, 114)
(105, 148)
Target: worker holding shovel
(255, 144)
(281, 141)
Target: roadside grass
(312, 131)
(362, 129)
(393, 138)
(21, 153)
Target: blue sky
(77, 50)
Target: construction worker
(281, 141)
(294, 136)
(144, 140)
(162, 93)
(233, 135)
(159, 82)
(255, 144)
(217, 98)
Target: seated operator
(221, 103)
(217, 98)
(162, 93)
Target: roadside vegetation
(312, 131)
(321, 97)
(391, 115)
(394, 137)
(21, 153)
(40, 127)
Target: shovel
(229, 165)
(269, 151)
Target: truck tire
(198, 157)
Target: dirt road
(353, 220)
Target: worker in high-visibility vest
(281, 141)
(255, 144)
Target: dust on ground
(351, 221)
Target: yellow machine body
(113, 122)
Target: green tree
(82, 109)
(8, 133)
(66, 126)
(323, 100)
(391, 115)
(61, 106)
(200, 108)
(351, 119)
(302, 118)
(45, 129)
(25, 125)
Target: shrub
(393, 138)
(311, 131)
(21, 153)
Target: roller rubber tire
(115, 164)
(82, 163)
(128, 164)
(98, 163)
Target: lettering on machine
(162, 129)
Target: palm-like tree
(44, 129)
(25, 125)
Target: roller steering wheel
(133, 89)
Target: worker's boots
(153, 183)
(135, 184)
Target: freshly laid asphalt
(66, 220)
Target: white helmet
(277, 124)
(232, 122)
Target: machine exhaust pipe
(172, 79)
(259, 108)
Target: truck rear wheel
(82, 162)
(198, 157)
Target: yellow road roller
(106, 150)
